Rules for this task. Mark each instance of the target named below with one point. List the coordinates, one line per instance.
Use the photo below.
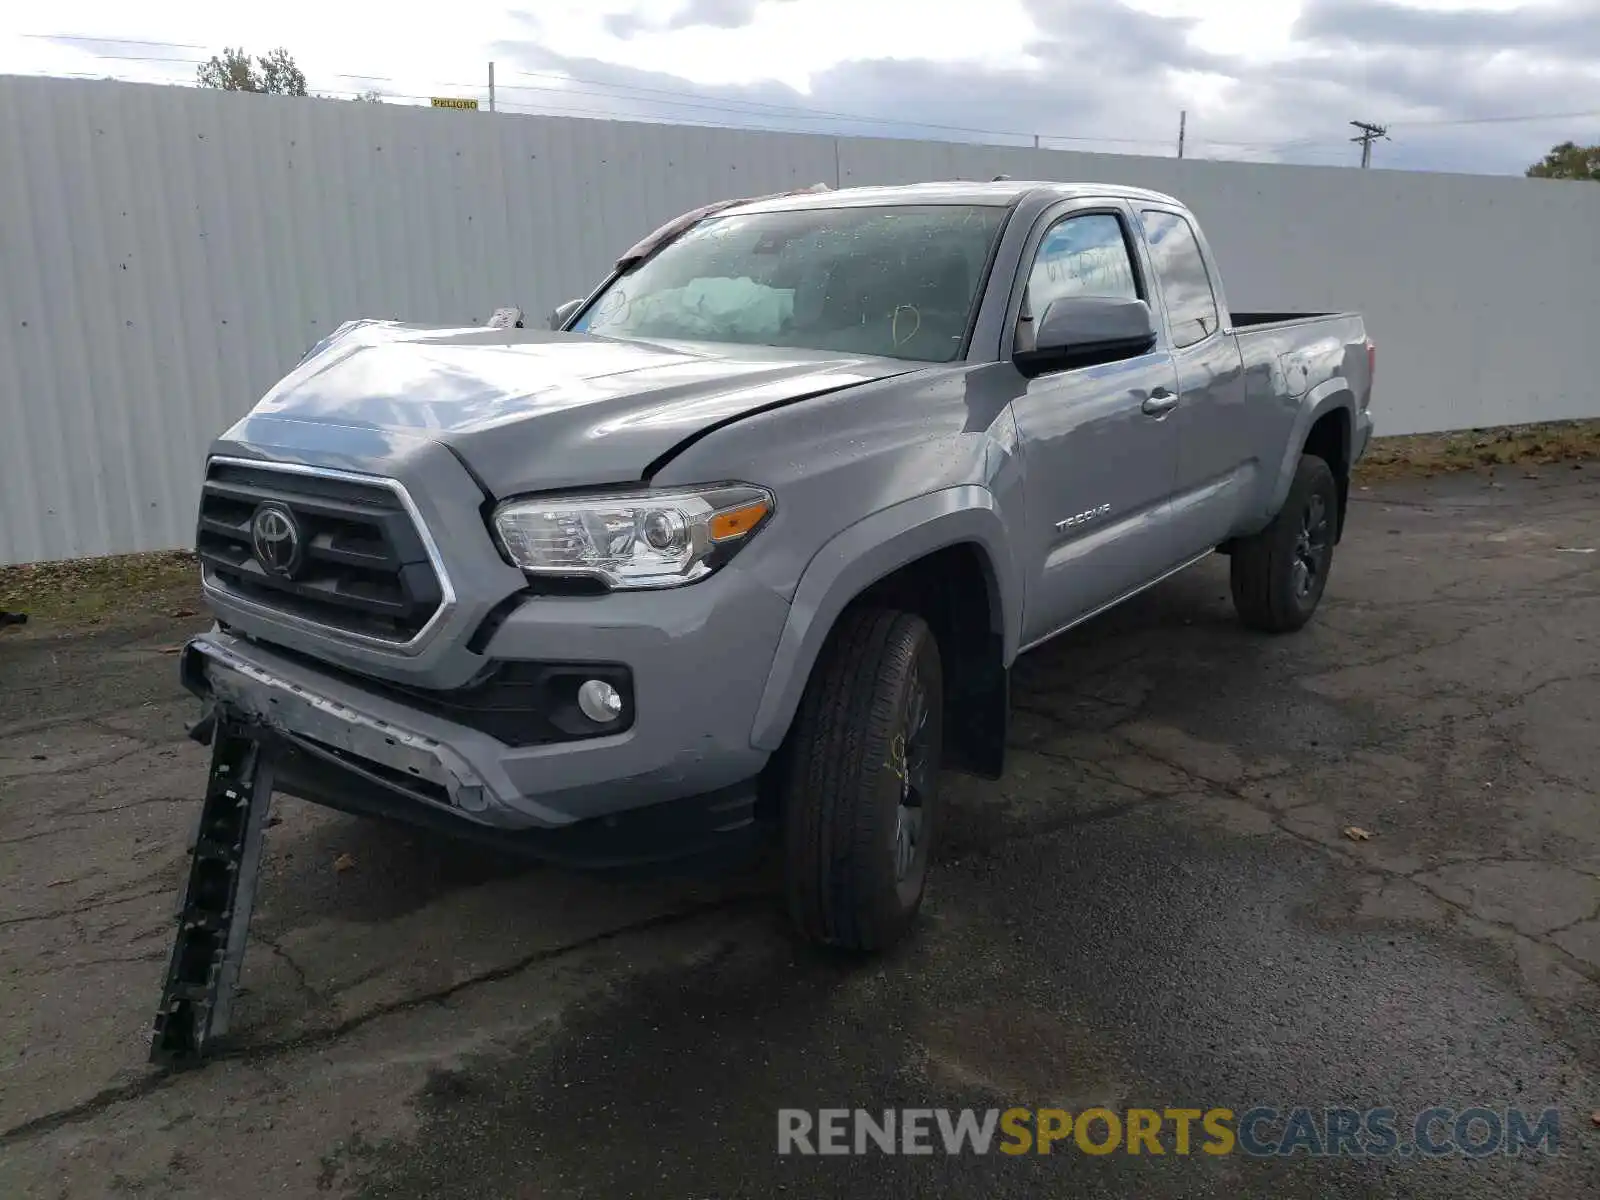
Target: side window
(1081, 256)
(1181, 275)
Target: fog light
(599, 701)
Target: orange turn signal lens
(736, 522)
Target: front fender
(1326, 397)
(866, 552)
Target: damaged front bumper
(363, 753)
(294, 711)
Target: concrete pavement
(1159, 906)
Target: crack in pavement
(42, 833)
(1546, 774)
(89, 905)
(1389, 656)
(80, 768)
(116, 808)
(1275, 819)
(1522, 697)
(99, 724)
(1594, 916)
(157, 1078)
(106, 961)
(302, 981)
(1537, 591)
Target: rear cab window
(1181, 274)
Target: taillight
(1372, 359)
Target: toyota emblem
(275, 536)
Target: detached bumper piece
(214, 917)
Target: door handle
(1159, 403)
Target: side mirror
(563, 313)
(1079, 331)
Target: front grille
(363, 566)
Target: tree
(230, 73)
(273, 72)
(371, 96)
(1568, 161)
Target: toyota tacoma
(747, 543)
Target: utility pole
(1183, 122)
(491, 87)
(1369, 134)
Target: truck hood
(531, 410)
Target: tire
(1279, 574)
(860, 816)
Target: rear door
(1215, 471)
(1098, 450)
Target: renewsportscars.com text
(1256, 1132)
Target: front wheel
(859, 781)
(1278, 575)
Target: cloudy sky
(1485, 87)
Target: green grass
(1480, 449)
(102, 591)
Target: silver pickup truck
(748, 543)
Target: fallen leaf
(1357, 834)
(184, 612)
(343, 863)
(170, 649)
(1594, 1119)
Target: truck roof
(998, 193)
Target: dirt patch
(1480, 449)
(91, 592)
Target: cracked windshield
(897, 282)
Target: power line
(699, 100)
(1568, 116)
(111, 41)
(1369, 134)
(144, 58)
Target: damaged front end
(417, 766)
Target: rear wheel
(1279, 574)
(859, 781)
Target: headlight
(633, 540)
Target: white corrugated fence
(166, 253)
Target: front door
(1098, 445)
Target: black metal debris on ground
(214, 917)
